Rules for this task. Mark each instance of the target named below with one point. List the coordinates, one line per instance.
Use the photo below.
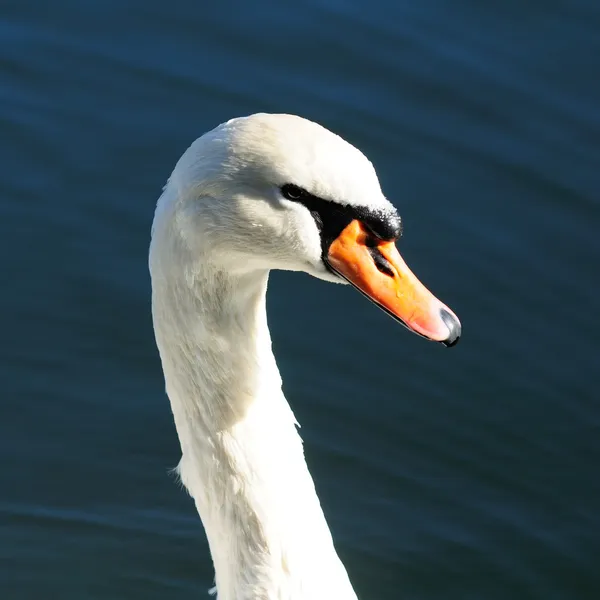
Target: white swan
(259, 193)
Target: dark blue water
(470, 473)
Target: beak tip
(454, 328)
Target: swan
(267, 191)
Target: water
(468, 473)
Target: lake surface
(470, 473)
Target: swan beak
(376, 269)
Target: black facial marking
(332, 218)
(387, 229)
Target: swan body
(259, 193)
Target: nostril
(454, 328)
(381, 262)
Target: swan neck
(242, 458)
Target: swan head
(276, 191)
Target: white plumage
(220, 226)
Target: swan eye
(293, 192)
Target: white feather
(220, 226)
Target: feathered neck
(242, 458)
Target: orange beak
(376, 268)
